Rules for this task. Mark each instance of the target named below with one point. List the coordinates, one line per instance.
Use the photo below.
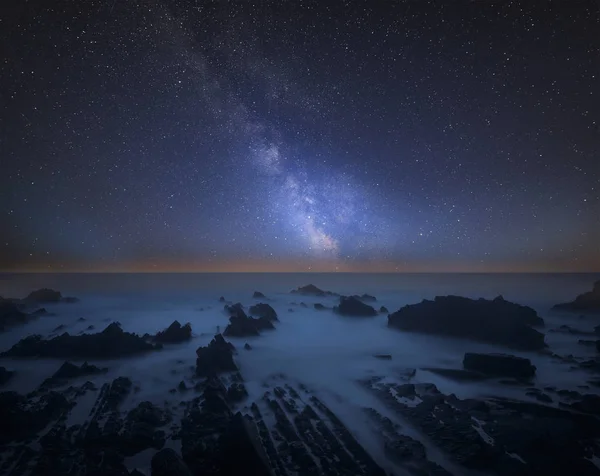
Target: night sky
(296, 136)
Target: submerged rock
(589, 301)
(247, 346)
(496, 321)
(175, 333)
(312, 290)
(350, 306)
(383, 356)
(263, 310)
(110, 343)
(215, 358)
(320, 307)
(501, 365)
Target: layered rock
(496, 321)
(110, 343)
(68, 371)
(501, 365)
(351, 306)
(589, 301)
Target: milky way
(402, 136)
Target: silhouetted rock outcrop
(501, 365)
(110, 343)
(10, 314)
(351, 306)
(46, 295)
(365, 297)
(175, 333)
(383, 310)
(222, 299)
(496, 321)
(236, 309)
(263, 310)
(589, 301)
(215, 358)
(247, 346)
(312, 290)
(242, 326)
(258, 295)
(5, 375)
(68, 371)
(320, 307)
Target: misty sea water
(325, 352)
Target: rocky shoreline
(212, 425)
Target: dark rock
(460, 375)
(539, 395)
(589, 343)
(236, 309)
(501, 365)
(383, 356)
(242, 326)
(68, 371)
(182, 386)
(81, 319)
(215, 358)
(59, 328)
(140, 429)
(303, 304)
(236, 392)
(495, 321)
(570, 330)
(40, 312)
(44, 295)
(589, 403)
(258, 295)
(320, 307)
(91, 327)
(110, 343)
(5, 375)
(168, 463)
(290, 310)
(589, 301)
(350, 306)
(263, 310)
(365, 297)
(383, 310)
(22, 418)
(175, 333)
(221, 299)
(70, 299)
(312, 290)
(247, 346)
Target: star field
(158, 135)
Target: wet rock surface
(495, 321)
(111, 342)
(489, 435)
(589, 301)
(351, 306)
